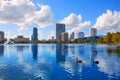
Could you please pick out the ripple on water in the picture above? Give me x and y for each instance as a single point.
(114, 77)
(1, 77)
(2, 66)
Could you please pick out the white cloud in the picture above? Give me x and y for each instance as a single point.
(24, 13)
(76, 29)
(109, 21)
(44, 16)
(75, 21)
(52, 33)
(40, 37)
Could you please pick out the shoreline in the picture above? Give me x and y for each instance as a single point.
(66, 43)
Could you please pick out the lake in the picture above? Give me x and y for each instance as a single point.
(59, 62)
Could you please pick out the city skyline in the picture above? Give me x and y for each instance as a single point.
(61, 34)
(79, 16)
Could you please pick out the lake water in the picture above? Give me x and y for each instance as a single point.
(59, 62)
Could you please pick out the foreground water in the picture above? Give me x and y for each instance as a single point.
(59, 62)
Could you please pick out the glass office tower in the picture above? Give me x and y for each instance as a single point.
(60, 28)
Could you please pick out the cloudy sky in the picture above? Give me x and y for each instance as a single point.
(18, 17)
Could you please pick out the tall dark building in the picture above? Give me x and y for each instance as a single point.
(60, 28)
(1, 35)
(35, 34)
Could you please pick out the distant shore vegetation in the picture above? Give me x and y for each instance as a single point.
(110, 38)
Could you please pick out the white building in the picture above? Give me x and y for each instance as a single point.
(64, 36)
(72, 36)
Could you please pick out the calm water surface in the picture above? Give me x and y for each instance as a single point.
(59, 62)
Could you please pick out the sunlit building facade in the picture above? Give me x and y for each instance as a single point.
(21, 39)
(72, 36)
(64, 36)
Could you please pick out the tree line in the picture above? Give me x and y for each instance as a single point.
(110, 38)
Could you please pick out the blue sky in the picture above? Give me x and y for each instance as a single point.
(89, 10)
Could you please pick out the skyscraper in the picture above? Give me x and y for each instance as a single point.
(1, 35)
(35, 34)
(93, 32)
(60, 28)
(52, 37)
(81, 35)
(64, 36)
(72, 36)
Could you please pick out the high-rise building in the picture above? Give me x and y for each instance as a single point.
(35, 34)
(64, 36)
(1, 35)
(72, 36)
(60, 28)
(81, 35)
(52, 37)
(93, 32)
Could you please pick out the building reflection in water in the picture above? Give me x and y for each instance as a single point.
(61, 52)
(93, 53)
(1, 50)
(34, 49)
(115, 50)
(81, 50)
(52, 48)
(20, 48)
(72, 49)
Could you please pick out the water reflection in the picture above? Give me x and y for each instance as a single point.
(20, 48)
(52, 48)
(61, 52)
(115, 50)
(1, 50)
(34, 48)
(72, 49)
(81, 50)
(93, 53)
(62, 62)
